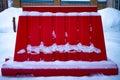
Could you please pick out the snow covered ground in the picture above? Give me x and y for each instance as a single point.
(111, 23)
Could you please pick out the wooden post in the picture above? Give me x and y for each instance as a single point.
(14, 25)
(17, 3)
(94, 2)
(57, 2)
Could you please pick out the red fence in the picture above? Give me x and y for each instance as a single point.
(84, 29)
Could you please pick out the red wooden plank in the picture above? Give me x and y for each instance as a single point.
(84, 30)
(71, 29)
(21, 40)
(59, 28)
(71, 34)
(61, 8)
(46, 30)
(34, 57)
(61, 56)
(84, 35)
(47, 57)
(98, 37)
(46, 35)
(33, 36)
(33, 30)
(58, 72)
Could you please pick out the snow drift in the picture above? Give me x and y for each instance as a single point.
(110, 18)
(6, 24)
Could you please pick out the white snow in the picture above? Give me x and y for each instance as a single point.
(47, 14)
(25, 13)
(53, 34)
(33, 13)
(94, 14)
(60, 48)
(10, 3)
(72, 14)
(60, 65)
(84, 14)
(21, 51)
(110, 18)
(59, 14)
(6, 24)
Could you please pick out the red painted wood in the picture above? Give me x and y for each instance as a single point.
(46, 30)
(21, 40)
(71, 25)
(84, 30)
(46, 35)
(33, 30)
(33, 36)
(98, 37)
(47, 57)
(61, 8)
(61, 56)
(84, 35)
(57, 72)
(34, 57)
(59, 28)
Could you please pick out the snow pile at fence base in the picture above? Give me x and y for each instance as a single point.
(59, 64)
(58, 68)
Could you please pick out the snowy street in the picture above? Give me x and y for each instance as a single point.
(111, 25)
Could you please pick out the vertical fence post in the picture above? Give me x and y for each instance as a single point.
(14, 25)
(17, 3)
(57, 2)
(94, 2)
